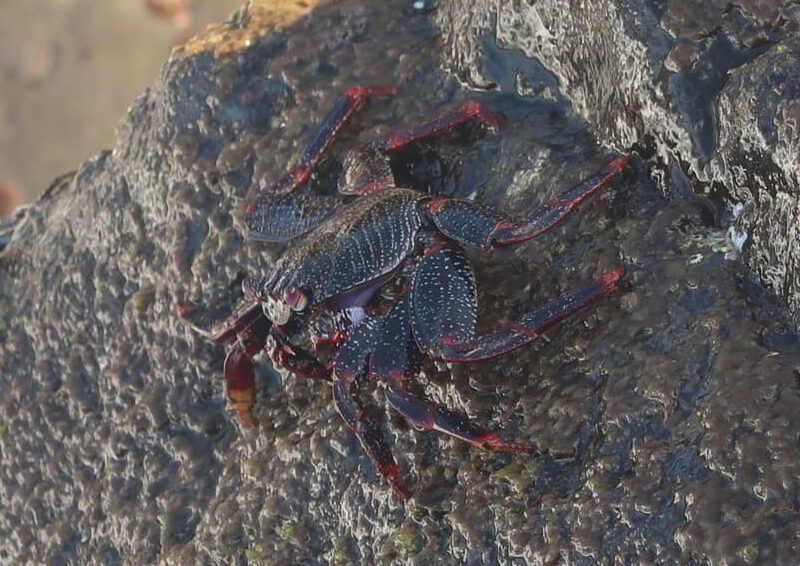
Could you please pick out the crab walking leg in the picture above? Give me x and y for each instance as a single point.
(289, 216)
(367, 168)
(297, 360)
(529, 327)
(427, 415)
(368, 430)
(445, 305)
(396, 359)
(351, 101)
(472, 110)
(477, 225)
(350, 367)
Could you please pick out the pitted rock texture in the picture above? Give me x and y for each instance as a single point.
(681, 81)
(679, 394)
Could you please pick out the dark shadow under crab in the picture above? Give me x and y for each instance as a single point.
(382, 282)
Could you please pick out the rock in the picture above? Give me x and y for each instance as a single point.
(677, 395)
(758, 163)
(682, 81)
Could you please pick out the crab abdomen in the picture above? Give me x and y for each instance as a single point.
(363, 243)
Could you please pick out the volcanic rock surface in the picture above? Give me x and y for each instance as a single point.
(678, 395)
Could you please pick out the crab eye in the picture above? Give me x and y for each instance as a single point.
(297, 299)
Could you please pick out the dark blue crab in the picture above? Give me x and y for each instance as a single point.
(388, 274)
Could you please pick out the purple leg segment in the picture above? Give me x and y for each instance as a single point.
(351, 101)
(477, 225)
(427, 415)
(472, 110)
(529, 327)
(368, 430)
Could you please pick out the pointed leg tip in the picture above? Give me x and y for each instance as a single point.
(610, 279)
(184, 309)
(496, 443)
(489, 119)
(246, 420)
(620, 164)
(377, 90)
(392, 474)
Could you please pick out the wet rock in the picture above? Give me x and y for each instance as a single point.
(759, 164)
(676, 399)
(709, 88)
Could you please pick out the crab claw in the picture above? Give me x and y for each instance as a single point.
(240, 378)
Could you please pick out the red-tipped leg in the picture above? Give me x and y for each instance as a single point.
(477, 225)
(530, 326)
(550, 214)
(427, 415)
(472, 110)
(351, 101)
(368, 430)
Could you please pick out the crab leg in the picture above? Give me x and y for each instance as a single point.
(427, 415)
(368, 430)
(367, 168)
(529, 327)
(472, 110)
(288, 216)
(477, 225)
(297, 360)
(350, 366)
(445, 306)
(396, 355)
(395, 360)
(351, 101)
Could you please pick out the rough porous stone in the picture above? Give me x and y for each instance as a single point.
(706, 88)
(678, 395)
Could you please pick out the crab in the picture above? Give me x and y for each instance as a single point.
(382, 281)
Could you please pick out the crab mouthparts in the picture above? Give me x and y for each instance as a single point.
(277, 311)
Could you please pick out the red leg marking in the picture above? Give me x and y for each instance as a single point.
(530, 326)
(358, 92)
(551, 214)
(427, 415)
(350, 102)
(469, 111)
